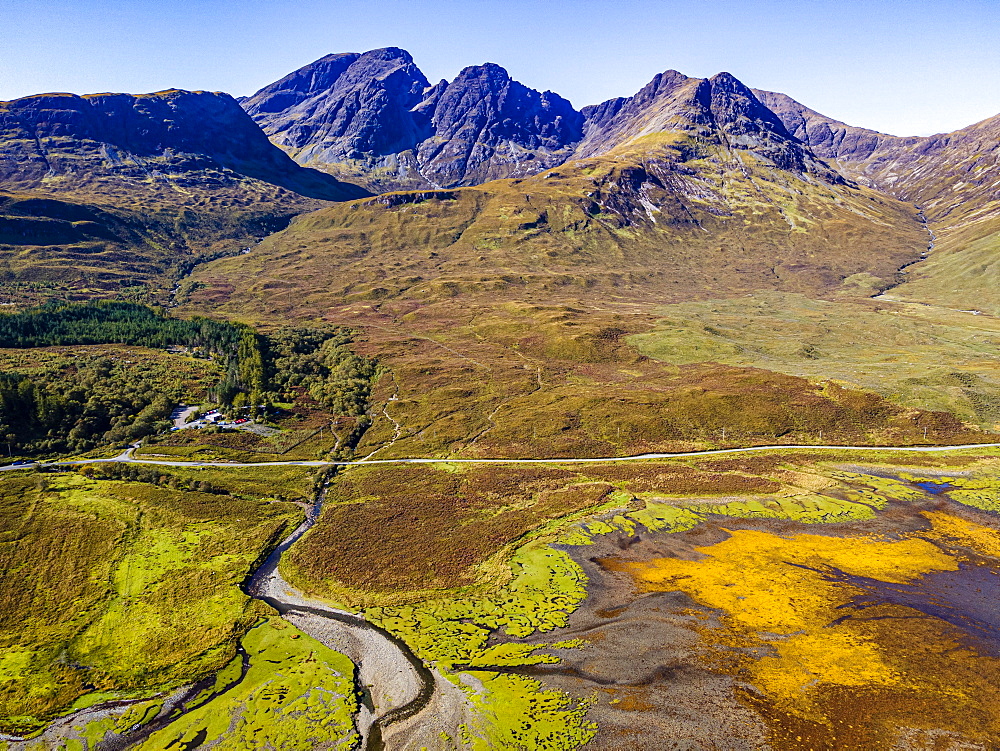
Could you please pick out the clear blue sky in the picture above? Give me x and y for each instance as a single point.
(902, 67)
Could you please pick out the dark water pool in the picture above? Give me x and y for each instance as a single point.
(934, 487)
(968, 599)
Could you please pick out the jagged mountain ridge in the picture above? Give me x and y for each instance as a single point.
(941, 173)
(690, 187)
(694, 189)
(483, 126)
(374, 118)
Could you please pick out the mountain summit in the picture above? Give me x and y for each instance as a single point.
(107, 190)
(374, 118)
(142, 144)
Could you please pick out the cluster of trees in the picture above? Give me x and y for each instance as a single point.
(319, 361)
(109, 322)
(236, 346)
(96, 400)
(151, 475)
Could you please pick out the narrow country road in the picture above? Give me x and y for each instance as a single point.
(127, 457)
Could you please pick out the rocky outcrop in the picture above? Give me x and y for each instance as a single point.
(485, 126)
(828, 138)
(345, 107)
(652, 109)
(698, 116)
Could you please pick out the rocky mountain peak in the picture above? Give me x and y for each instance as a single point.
(487, 125)
(485, 98)
(747, 124)
(319, 76)
(374, 116)
(344, 107)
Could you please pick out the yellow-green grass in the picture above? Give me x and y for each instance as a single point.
(544, 586)
(915, 355)
(120, 587)
(297, 694)
(571, 387)
(962, 272)
(512, 299)
(722, 221)
(242, 446)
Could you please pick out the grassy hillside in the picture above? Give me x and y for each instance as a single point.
(120, 588)
(962, 273)
(916, 355)
(90, 244)
(502, 310)
(665, 217)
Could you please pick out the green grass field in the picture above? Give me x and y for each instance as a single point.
(297, 694)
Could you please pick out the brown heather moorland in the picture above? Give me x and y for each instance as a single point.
(504, 318)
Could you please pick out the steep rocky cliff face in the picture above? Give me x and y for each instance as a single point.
(352, 110)
(719, 110)
(486, 126)
(690, 188)
(947, 174)
(954, 178)
(375, 119)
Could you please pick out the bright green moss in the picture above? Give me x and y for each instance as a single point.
(517, 713)
(297, 694)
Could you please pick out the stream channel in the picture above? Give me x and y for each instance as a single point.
(393, 683)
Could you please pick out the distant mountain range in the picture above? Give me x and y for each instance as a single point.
(683, 158)
(374, 116)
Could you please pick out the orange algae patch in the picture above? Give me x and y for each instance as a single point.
(766, 583)
(981, 539)
(775, 594)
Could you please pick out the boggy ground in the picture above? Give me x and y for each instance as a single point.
(748, 633)
(740, 601)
